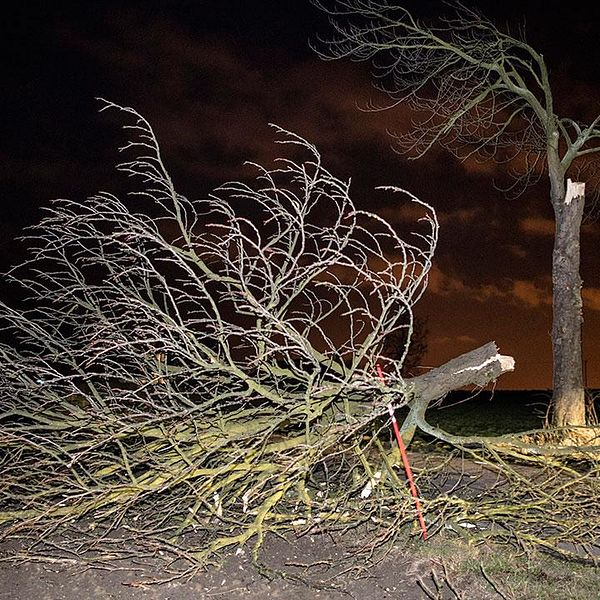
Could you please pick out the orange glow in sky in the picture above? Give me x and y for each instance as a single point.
(210, 76)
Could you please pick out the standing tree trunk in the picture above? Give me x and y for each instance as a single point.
(568, 402)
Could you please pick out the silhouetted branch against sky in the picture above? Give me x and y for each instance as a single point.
(209, 76)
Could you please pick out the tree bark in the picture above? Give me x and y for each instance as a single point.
(477, 367)
(568, 401)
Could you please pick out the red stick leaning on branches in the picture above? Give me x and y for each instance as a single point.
(409, 475)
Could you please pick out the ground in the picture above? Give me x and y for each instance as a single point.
(317, 567)
(321, 567)
(313, 566)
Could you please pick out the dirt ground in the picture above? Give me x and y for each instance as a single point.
(309, 567)
(316, 567)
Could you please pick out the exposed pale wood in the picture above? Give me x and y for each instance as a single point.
(575, 189)
(477, 367)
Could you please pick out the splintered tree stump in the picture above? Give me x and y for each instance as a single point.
(477, 367)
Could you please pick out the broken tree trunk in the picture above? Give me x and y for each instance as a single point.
(477, 367)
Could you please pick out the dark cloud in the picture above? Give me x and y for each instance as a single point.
(210, 76)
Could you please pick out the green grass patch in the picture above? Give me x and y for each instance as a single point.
(488, 413)
(490, 571)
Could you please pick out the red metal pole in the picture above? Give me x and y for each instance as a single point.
(407, 469)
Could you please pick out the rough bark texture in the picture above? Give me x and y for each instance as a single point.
(477, 367)
(569, 396)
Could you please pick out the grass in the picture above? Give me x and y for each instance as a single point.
(484, 414)
(488, 571)
(490, 414)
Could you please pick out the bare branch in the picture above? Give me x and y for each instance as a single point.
(480, 91)
(211, 353)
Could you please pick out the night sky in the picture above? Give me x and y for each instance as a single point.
(210, 75)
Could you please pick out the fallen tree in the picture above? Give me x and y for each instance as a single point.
(207, 368)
